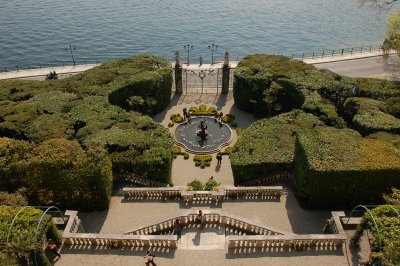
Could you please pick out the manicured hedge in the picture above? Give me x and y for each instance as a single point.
(24, 229)
(268, 85)
(57, 172)
(267, 146)
(84, 113)
(368, 116)
(132, 149)
(253, 80)
(145, 85)
(339, 168)
(326, 111)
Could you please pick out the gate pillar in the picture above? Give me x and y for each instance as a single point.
(178, 74)
(225, 79)
(178, 80)
(225, 74)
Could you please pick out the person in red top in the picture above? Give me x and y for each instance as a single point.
(53, 247)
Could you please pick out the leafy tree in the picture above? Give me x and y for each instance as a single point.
(21, 246)
(392, 39)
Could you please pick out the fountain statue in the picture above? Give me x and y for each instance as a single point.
(202, 133)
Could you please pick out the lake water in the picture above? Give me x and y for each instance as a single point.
(35, 32)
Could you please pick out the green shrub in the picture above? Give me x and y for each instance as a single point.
(368, 116)
(228, 118)
(57, 172)
(267, 146)
(202, 110)
(212, 185)
(202, 160)
(195, 185)
(384, 225)
(176, 118)
(239, 132)
(176, 150)
(339, 168)
(227, 151)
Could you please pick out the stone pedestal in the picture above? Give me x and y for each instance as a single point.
(178, 80)
(225, 78)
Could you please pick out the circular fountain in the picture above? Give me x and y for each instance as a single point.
(203, 135)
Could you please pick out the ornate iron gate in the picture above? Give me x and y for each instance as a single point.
(203, 80)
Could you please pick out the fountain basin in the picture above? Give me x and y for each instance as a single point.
(217, 137)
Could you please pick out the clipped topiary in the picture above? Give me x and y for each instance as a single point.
(202, 110)
(202, 160)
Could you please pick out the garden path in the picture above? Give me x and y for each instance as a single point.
(184, 171)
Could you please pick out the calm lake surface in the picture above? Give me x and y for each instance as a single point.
(35, 32)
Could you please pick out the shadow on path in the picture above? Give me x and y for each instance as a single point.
(304, 221)
(128, 251)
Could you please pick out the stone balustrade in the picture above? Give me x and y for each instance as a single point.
(251, 235)
(224, 193)
(288, 242)
(210, 217)
(71, 237)
(292, 242)
(121, 240)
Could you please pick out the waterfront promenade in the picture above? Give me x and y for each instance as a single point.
(366, 64)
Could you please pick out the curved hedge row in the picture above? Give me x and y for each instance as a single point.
(145, 86)
(268, 85)
(368, 116)
(76, 113)
(267, 146)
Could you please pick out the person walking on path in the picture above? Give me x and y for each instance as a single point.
(178, 227)
(219, 158)
(199, 219)
(149, 258)
(53, 248)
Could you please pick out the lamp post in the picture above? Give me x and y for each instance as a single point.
(212, 48)
(187, 48)
(70, 48)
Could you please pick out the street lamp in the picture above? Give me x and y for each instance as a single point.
(212, 48)
(70, 48)
(187, 48)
